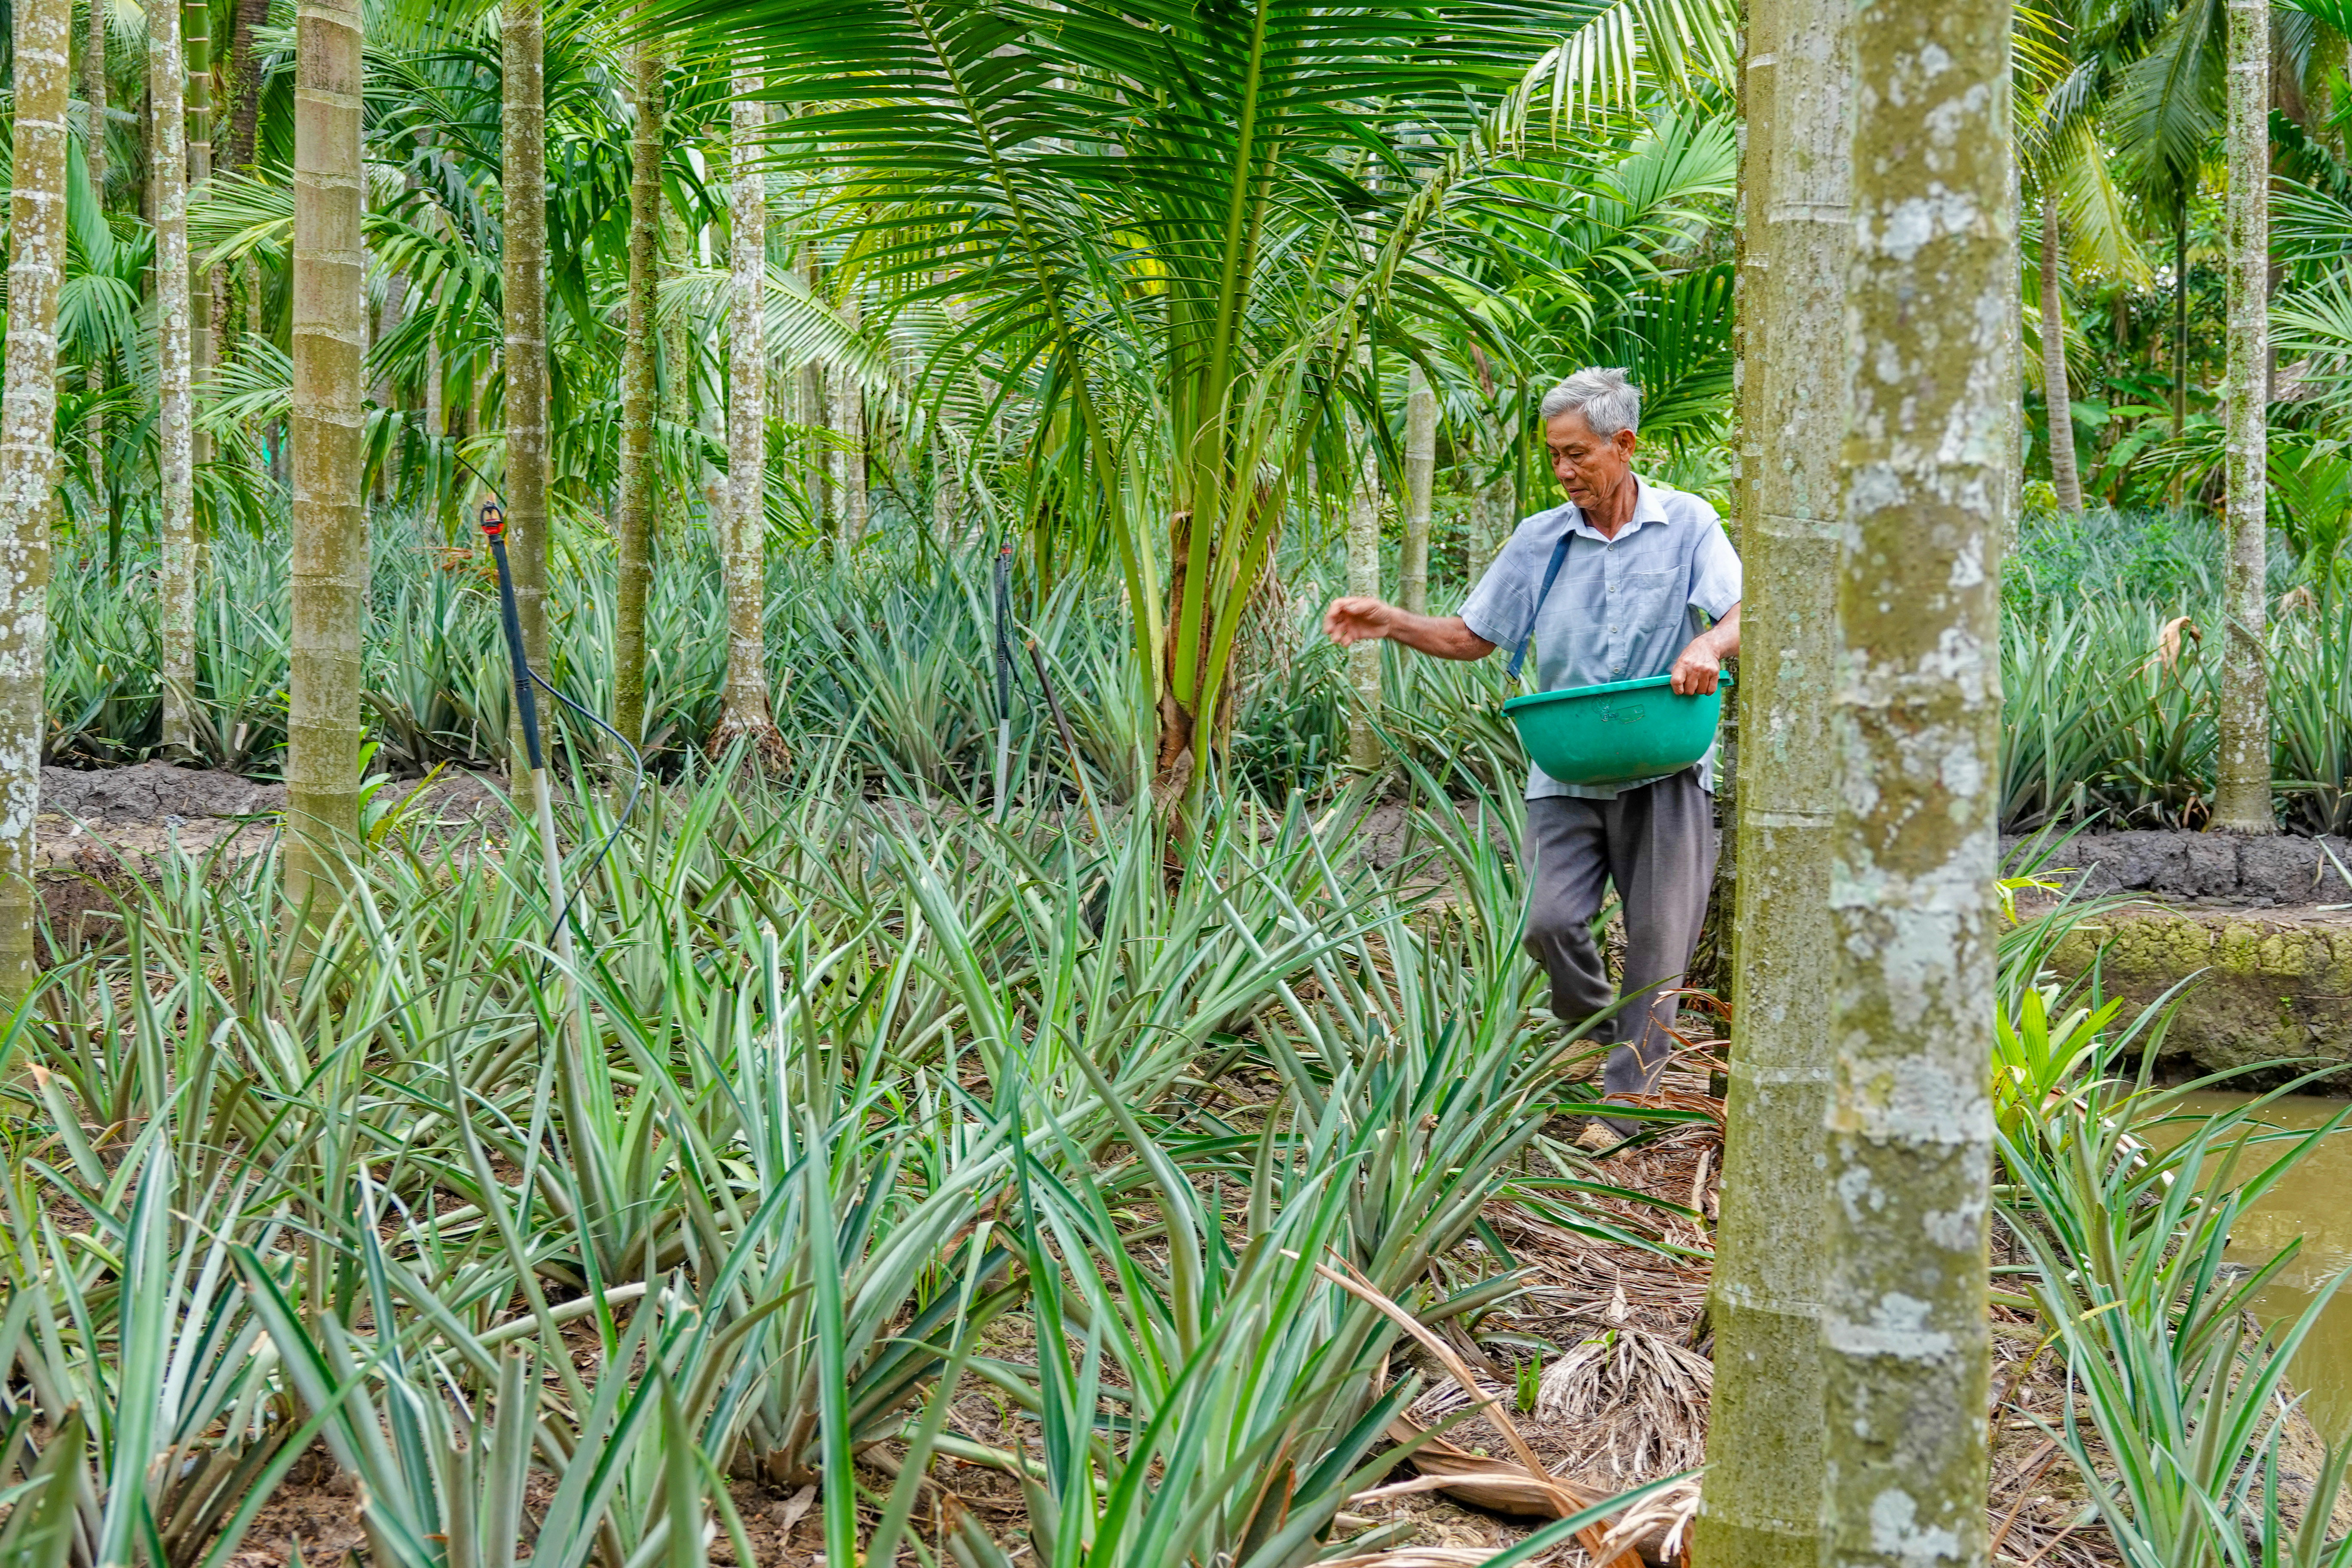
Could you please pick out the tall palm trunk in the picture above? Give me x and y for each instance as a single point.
(196, 17)
(1928, 487)
(2057, 398)
(242, 81)
(1765, 1436)
(2181, 316)
(523, 276)
(847, 460)
(1364, 581)
(1420, 481)
(168, 178)
(633, 513)
(1490, 524)
(745, 712)
(680, 369)
(93, 94)
(2241, 800)
(814, 412)
(330, 528)
(28, 457)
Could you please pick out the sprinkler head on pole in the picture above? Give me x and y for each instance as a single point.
(494, 520)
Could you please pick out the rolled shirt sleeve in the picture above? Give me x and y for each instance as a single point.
(1715, 580)
(1501, 605)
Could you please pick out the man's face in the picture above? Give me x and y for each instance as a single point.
(1588, 467)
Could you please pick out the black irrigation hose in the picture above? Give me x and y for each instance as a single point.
(493, 524)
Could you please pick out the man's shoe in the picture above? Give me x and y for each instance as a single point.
(1607, 1132)
(1597, 1137)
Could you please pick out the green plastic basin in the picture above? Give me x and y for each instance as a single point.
(1613, 734)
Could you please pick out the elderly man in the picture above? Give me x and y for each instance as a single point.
(1649, 586)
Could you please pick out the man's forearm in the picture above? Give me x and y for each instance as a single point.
(1442, 637)
(1723, 638)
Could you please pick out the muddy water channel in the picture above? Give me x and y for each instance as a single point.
(2313, 1201)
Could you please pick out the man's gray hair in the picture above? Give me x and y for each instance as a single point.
(1608, 401)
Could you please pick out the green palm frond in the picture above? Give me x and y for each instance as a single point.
(242, 217)
(2167, 112)
(2100, 226)
(2314, 327)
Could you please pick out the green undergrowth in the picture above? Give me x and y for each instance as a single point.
(834, 1105)
(2118, 1200)
(2110, 654)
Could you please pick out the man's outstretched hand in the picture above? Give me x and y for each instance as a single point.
(1353, 620)
(1356, 620)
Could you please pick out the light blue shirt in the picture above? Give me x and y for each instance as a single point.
(1622, 609)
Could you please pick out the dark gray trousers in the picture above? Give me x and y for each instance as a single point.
(1657, 845)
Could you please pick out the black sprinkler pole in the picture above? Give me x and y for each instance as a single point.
(494, 529)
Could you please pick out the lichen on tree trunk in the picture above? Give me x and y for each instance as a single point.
(174, 425)
(523, 277)
(2241, 795)
(2057, 398)
(745, 713)
(330, 532)
(1929, 443)
(29, 458)
(1764, 1492)
(633, 509)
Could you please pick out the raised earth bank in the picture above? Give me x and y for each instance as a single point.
(2258, 922)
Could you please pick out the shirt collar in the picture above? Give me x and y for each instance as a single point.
(1647, 508)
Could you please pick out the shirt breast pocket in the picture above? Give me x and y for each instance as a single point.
(1650, 604)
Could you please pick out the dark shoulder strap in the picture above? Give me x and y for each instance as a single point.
(1551, 573)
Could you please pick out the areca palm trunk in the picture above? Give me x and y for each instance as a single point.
(242, 115)
(1364, 581)
(848, 451)
(1490, 524)
(2058, 398)
(680, 366)
(1763, 1497)
(330, 531)
(745, 712)
(175, 451)
(29, 458)
(2241, 797)
(197, 29)
(1928, 487)
(523, 276)
(632, 512)
(93, 94)
(1420, 481)
(815, 411)
(2180, 314)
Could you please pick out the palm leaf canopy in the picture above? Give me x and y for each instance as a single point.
(1178, 222)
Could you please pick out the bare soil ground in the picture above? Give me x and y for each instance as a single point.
(98, 827)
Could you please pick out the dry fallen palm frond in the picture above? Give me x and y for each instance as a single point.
(1658, 1527)
(1415, 1557)
(2167, 640)
(1633, 1402)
